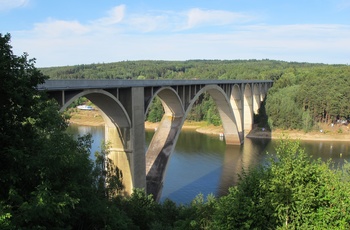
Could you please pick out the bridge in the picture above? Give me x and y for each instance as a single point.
(124, 105)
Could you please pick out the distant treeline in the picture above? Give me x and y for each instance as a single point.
(303, 94)
(192, 69)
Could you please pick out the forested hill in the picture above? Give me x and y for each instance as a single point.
(303, 95)
(192, 69)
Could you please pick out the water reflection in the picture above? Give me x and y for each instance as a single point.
(204, 164)
(194, 167)
(237, 158)
(97, 132)
(339, 152)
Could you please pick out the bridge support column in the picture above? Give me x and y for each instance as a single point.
(158, 153)
(126, 142)
(247, 109)
(137, 165)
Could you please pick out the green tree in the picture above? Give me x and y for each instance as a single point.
(198, 214)
(39, 188)
(156, 111)
(141, 208)
(47, 180)
(292, 192)
(282, 109)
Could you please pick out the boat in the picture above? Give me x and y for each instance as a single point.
(85, 107)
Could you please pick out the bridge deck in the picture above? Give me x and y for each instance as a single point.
(117, 83)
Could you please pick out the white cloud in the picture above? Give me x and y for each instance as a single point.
(148, 23)
(11, 4)
(59, 28)
(198, 17)
(115, 15)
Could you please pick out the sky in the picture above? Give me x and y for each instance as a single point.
(72, 32)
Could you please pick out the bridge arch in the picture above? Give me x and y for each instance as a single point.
(164, 139)
(227, 116)
(111, 109)
(166, 135)
(117, 131)
(170, 100)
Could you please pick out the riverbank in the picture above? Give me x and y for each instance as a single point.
(321, 135)
(326, 133)
(86, 117)
(94, 118)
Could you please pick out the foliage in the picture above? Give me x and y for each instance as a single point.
(191, 69)
(198, 214)
(292, 192)
(282, 110)
(47, 179)
(326, 98)
(205, 109)
(108, 177)
(80, 101)
(156, 111)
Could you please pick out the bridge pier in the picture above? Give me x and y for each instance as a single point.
(158, 153)
(133, 103)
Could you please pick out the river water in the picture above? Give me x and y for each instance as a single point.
(203, 163)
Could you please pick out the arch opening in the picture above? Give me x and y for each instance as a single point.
(164, 140)
(117, 132)
(229, 124)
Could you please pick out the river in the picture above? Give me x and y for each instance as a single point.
(203, 163)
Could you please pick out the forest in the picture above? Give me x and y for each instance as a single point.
(303, 95)
(48, 181)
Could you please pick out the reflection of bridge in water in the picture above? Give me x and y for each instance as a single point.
(125, 103)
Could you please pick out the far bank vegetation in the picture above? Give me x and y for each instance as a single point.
(304, 96)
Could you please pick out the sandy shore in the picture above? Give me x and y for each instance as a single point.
(336, 133)
(325, 135)
(86, 117)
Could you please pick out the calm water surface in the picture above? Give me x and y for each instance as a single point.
(204, 164)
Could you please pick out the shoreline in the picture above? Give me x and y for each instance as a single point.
(299, 135)
(93, 118)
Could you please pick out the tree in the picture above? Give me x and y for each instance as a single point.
(292, 192)
(37, 179)
(46, 178)
(156, 111)
(282, 109)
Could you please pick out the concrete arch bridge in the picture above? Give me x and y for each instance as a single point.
(124, 105)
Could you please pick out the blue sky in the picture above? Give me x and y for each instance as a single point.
(70, 32)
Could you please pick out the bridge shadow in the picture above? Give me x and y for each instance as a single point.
(205, 185)
(236, 159)
(261, 128)
(219, 178)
